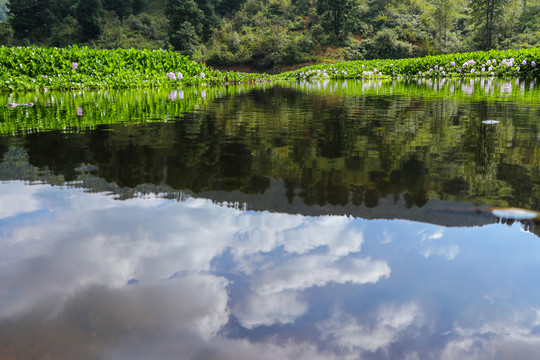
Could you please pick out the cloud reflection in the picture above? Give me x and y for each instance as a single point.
(68, 257)
(215, 282)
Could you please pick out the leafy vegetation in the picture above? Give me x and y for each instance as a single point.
(34, 68)
(518, 63)
(270, 35)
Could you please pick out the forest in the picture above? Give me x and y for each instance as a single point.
(275, 35)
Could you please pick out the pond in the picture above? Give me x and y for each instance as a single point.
(315, 220)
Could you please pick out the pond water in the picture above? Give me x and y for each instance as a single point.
(319, 220)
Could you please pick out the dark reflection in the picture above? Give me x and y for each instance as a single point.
(332, 145)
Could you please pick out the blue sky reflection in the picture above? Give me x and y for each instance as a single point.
(217, 283)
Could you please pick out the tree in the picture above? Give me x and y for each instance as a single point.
(487, 15)
(87, 13)
(185, 38)
(227, 7)
(444, 14)
(122, 8)
(32, 19)
(188, 17)
(337, 17)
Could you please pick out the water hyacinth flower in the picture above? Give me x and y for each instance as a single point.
(472, 70)
(524, 62)
(490, 68)
(180, 76)
(518, 68)
(79, 111)
(452, 63)
(203, 75)
(44, 76)
(533, 63)
(488, 62)
(171, 76)
(74, 65)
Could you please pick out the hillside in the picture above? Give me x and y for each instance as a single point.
(274, 35)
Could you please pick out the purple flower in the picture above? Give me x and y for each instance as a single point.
(533, 63)
(524, 62)
(180, 76)
(472, 70)
(202, 75)
(74, 65)
(518, 68)
(171, 76)
(488, 62)
(44, 76)
(79, 111)
(452, 64)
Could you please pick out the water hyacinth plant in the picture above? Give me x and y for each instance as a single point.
(519, 63)
(35, 68)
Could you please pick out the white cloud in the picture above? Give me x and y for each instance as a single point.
(14, 202)
(281, 308)
(318, 270)
(449, 252)
(345, 332)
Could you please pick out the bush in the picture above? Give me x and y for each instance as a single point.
(6, 33)
(387, 46)
(296, 51)
(354, 51)
(185, 39)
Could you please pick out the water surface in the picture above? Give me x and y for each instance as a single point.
(296, 220)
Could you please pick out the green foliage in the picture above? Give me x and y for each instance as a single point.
(487, 16)
(33, 68)
(337, 17)
(385, 45)
(87, 13)
(516, 63)
(271, 34)
(184, 38)
(444, 14)
(6, 33)
(31, 19)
